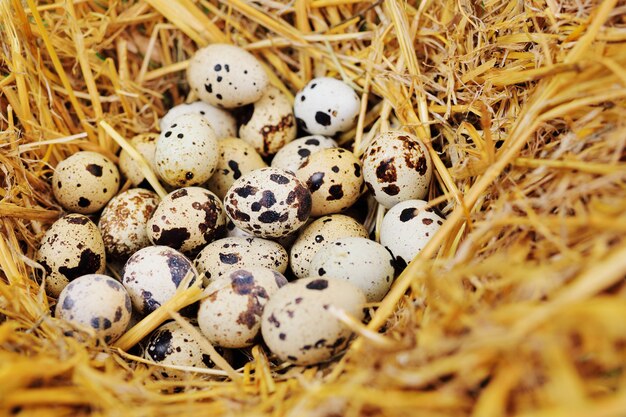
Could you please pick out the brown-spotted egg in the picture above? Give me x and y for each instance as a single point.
(145, 144)
(293, 154)
(222, 122)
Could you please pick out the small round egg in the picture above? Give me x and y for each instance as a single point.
(237, 158)
(222, 122)
(326, 106)
(297, 325)
(187, 220)
(226, 76)
(318, 234)
(230, 316)
(186, 152)
(397, 167)
(145, 144)
(406, 229)
(72, 247)
(271, 124)
(333, 176)
(363, 262)
(96, 301)
(85, 182)
(225, 254)
(123, 222)
(293, 154)
(268, 202)
(152, 275)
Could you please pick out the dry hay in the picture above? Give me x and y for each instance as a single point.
(515, 308)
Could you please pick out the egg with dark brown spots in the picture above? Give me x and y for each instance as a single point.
(145, 144)
(186, 152)
(240, 252)
(318, 234)
(271, 124)
(407, 228)
(123, 222)
(237, 158)
(221, 121)
(187, 220)
(293, 154)
(230, 315)
(298, 324)
(72, 247)
(326, 106)
(85, 182)
(268, 202)
(226, 76)
(97, 302)
(152, 275)
(334, 178)
(397, 167)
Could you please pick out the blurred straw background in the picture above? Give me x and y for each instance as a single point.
(516, 308)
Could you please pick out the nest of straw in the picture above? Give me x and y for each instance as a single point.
(517, 305)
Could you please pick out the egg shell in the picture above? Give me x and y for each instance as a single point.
(297, 325)
(397, 167)
(326, 106)
(96, 301)
(219, 257)
(145, 144)
(85, 181)
(318, 234)
(170, 344)
(362, 262)
(152, 275)
(186, 152)
(293, 154)
(237, 158)
(187, 220)
(226, 76)
(70, 248)
(230, 315)
(271, 124)
(222, 122)
(334, 178)
(234, 231)
(123, 222)
(268, 202)
(406, 229)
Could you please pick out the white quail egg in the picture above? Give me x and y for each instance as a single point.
(145, 144)
(293, 154)
(298, 326)
(222, 122)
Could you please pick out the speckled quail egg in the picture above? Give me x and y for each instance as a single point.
(96, 301)
(170, 344)
(186, 151)
(152, 275)
(145, 144)
(85, 182)
(240, 252)
(268, 202)
(297, 323)
(237, 158)
(71, 247)
(223, 123)
(123, 222)
(270, 124)
(230, 316)
(397, 167)
(326, 106)
(406, 229)
(187, 219)
(293, 154)
(318, 234)
(363, 262)
(333, 176)
(226, 76)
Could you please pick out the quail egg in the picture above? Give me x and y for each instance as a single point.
(145, 144)
(293, 154)
(222, 122)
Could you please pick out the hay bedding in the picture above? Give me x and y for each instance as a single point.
(515, 308)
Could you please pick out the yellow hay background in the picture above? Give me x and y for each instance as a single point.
(517, 307)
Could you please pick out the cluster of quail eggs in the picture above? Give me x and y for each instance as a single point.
(261, 219)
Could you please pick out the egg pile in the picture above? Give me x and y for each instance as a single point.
(260, 214)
